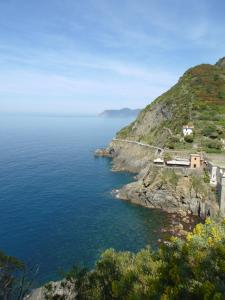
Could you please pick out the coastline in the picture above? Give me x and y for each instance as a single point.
(169, 189)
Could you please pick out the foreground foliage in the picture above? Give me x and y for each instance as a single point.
(15, 278)
(193, 268)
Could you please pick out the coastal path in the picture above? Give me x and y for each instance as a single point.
(160, 150)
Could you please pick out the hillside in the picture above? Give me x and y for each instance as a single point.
(198, 100)
(120, 113)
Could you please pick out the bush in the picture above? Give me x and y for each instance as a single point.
(193, 268)
(189, 138)
(167, 156)
(171, 142)
(213, 144)
(209, 130)
(214, 135)
(221, 95)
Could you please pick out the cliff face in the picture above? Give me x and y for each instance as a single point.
(198, 98)
(130, 157)
(171, 190)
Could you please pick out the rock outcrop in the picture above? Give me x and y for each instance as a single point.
(171, 190)
(221, 62)
(64, 289)
(128, 156)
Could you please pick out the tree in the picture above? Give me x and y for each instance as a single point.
(15, 278)
(189, 138)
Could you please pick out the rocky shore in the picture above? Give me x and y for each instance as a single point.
(170, 189)
(63, 289)
(179, 224)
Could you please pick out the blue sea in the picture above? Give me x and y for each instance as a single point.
(56, 206)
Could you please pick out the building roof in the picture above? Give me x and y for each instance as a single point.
(183, 162)
(158, 160)
(198, 155)
(188, 126)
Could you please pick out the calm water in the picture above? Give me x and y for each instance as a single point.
(56, 208)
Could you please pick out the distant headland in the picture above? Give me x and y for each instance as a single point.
(120, 113)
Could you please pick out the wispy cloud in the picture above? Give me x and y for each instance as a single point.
(111, 53)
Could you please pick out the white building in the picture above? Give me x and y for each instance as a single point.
(159, 161)
(187, 130)
(215, 172)
(213, 177)
(178, 162)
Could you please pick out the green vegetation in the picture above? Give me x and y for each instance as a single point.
(197, 99)
(193, 268)
(167, 156)
(189, 138)
(189, 268)
(212, 146)
(206, 177)
(198, 184)
(15, 279)
(169, 176)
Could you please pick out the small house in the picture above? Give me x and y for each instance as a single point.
(188, 130)
(159, 161)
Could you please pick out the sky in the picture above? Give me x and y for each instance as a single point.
(84, 56)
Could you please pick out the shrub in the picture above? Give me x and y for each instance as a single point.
(169, 175)
(167, 156)
(189, 138)
(192, 268)
(221, 95)
(171, 142)
(15, 282)
(216, 77)
(214, 135)
(207, 131)
(213, 144)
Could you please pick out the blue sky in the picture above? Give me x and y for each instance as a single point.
(78, 57)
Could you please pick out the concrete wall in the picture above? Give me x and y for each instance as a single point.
(213, 173)
(221, 192)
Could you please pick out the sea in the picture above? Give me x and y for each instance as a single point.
(56, 203)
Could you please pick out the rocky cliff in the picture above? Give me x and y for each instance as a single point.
(171, 190)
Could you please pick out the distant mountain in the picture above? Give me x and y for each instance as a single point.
(120, 113)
